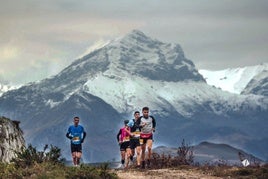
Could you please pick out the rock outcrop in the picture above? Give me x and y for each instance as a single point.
(11, 139)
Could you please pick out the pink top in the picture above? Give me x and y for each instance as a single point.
(124, 136)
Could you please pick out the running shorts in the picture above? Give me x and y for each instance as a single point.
(76, 148)
(124, 146)
(134, 143)
(144, 138)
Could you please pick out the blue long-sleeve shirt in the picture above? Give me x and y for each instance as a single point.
(76, 134)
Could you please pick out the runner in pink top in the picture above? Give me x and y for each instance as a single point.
(123, 138)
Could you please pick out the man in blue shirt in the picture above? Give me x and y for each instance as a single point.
(77, 135)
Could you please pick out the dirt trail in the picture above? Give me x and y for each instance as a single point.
(163, 173)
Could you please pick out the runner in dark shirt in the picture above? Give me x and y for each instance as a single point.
(135, 138)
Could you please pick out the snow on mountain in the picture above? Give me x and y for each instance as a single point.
(116, 63)
(6, 87)
(107, 85)
(130, 92)
(258, 85)
(233, 80)
(140, 55)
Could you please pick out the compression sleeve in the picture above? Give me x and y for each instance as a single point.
(117, 137)
(68, 134)
(154, 123)
(139, 123)
(84, 135)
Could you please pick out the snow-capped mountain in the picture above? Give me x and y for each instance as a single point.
(104, 87)
(234, 80)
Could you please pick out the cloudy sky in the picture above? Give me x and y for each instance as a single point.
(40, 38)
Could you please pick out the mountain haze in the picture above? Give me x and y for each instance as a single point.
(106, 86)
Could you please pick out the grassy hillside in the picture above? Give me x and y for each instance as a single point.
(50, 170)
(31, 163)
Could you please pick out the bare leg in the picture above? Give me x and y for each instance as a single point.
(74, 158)
(127, 156)
(132, 154)
(138, 151)
(78, 157)
(149, 148)
(143, 150)
(123, 157)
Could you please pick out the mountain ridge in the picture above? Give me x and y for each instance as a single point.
(212, 153)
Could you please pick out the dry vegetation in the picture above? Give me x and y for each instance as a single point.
(182, 166)
(31, 163)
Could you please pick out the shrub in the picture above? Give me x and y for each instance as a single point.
(185, 157)
(185, 154)
(28, 156)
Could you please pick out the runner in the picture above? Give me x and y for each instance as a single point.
(147, 124)
(123, 138)
(77, 135)
(135, 138)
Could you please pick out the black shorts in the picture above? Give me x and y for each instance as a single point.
(124, 146)
(134, 143)
(144, 140)
(76, 148)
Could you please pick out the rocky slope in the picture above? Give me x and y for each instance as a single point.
(11, 138)
(258, 85)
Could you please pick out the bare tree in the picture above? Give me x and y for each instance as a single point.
(185, 154)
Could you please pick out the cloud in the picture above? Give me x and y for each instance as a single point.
(39, 35)
(97, 45)
(8, 52)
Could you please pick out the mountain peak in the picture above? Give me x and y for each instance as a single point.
(153, 59)
(137, 37)
(137, 55)
(137, 32)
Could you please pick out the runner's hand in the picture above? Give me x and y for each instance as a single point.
(143, 124)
